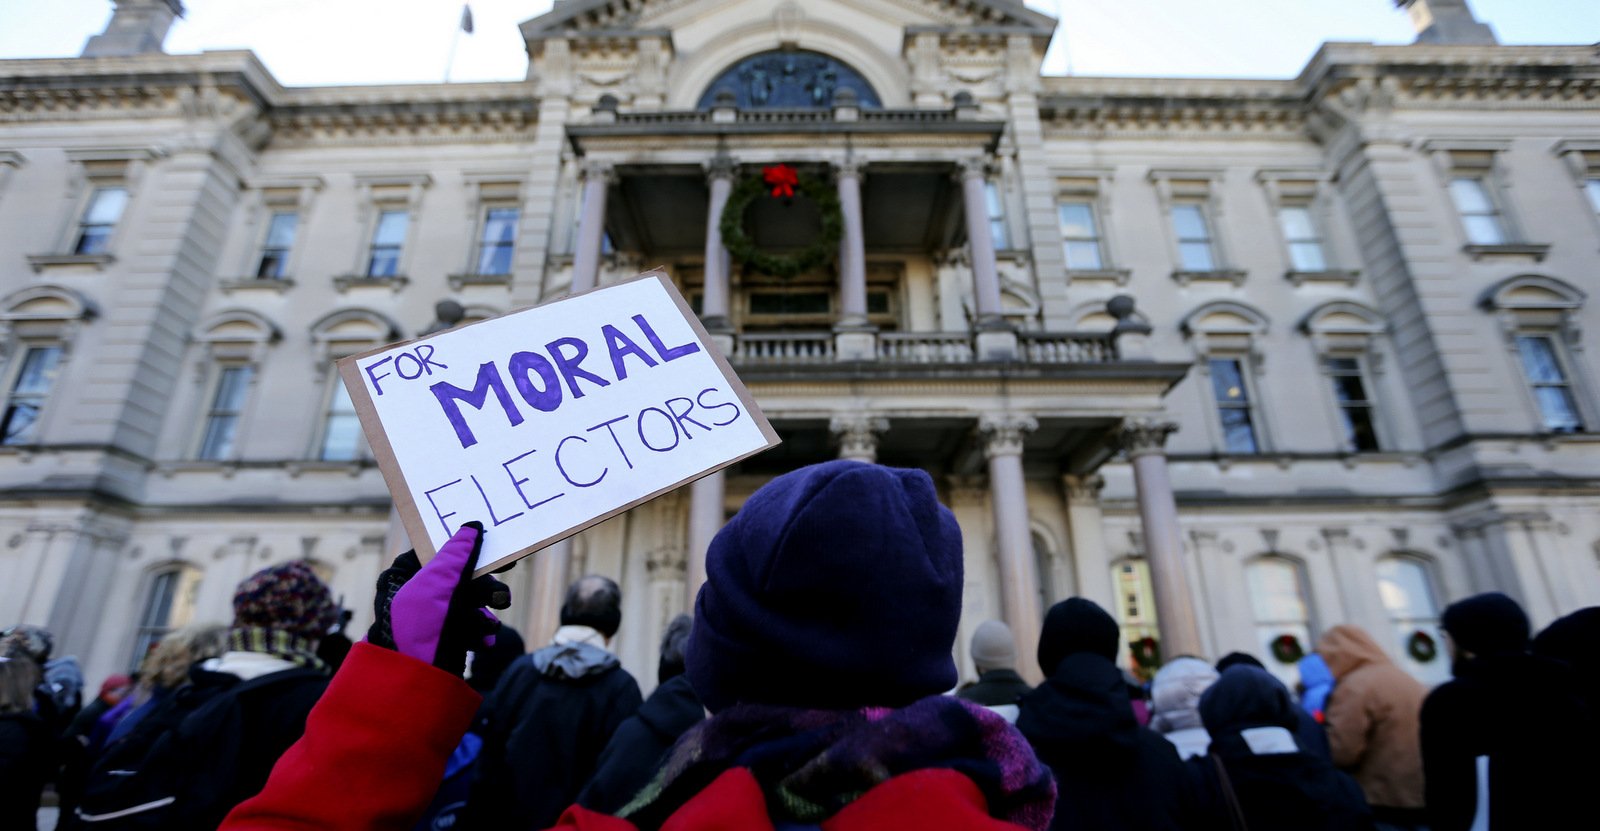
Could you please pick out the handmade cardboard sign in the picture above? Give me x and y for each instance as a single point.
(543, 422)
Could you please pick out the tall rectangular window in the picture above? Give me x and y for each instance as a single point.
(997, 216)
(387, 239)
(1305, 243)
(1479, 215)
(28, 393)
(1195, 249)
(1592, 187)
(1557, 408)
(275, 249)
(1233, 405)
(498, 242)
(168, 605)
(341, 435)
(227, 404)
(100, 220)
(1080, 236)
(1355, 407)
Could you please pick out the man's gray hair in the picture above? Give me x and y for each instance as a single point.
(676, 639)
(593, 601)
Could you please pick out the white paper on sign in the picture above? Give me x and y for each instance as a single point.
(540, 422)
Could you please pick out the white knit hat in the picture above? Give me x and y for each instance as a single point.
(993, 647)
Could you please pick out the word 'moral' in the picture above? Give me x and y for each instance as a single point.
(537, 378)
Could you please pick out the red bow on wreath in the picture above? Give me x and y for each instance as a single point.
(782, 178)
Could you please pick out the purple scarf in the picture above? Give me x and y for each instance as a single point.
(812, 763)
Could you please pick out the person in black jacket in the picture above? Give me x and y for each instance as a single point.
(999, 687)
(1309, 732)
(634, 752)
(26, 756)
(1256, 762)
(1110, 772)
(1508, 739)
(1575, 640)
(552, 714)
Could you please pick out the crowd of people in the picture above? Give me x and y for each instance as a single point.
(811, 689)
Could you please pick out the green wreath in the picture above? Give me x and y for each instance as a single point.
(1421, 647)
(1286, 649)
(1146, 652)
(807, 259)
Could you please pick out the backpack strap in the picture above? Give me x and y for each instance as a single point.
(1235, 810)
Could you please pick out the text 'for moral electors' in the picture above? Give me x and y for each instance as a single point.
(538, 381)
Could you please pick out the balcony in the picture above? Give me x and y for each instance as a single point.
(944, 348)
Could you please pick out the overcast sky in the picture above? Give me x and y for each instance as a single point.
(392, 41)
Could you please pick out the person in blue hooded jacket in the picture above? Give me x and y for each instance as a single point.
(1256, 764)
(1317, 681)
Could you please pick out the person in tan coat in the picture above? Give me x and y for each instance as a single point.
(1372, 718)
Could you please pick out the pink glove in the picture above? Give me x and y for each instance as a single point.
(435, 613)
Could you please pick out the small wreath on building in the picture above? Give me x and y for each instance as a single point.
(1422, 647)
(1286, 649)
(1146, 652)
(782, 182)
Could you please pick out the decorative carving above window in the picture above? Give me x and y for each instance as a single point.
(789, 80)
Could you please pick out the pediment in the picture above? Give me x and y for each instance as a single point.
(617, 16)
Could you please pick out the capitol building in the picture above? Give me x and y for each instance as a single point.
(1237, 359)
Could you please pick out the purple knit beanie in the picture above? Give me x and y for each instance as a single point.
(837, 586)
(288, 597)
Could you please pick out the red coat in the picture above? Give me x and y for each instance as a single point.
(375, 748)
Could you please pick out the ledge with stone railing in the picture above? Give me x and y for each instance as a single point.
(784, 348)
(789, 348)
(925, 348)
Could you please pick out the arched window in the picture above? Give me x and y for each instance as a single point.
(1278, 601)
(168, 604)
(788, 79)
(1407, 592)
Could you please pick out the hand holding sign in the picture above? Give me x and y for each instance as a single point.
(546, 421)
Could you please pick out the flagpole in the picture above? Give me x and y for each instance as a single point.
(451, 61)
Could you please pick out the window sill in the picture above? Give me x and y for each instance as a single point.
(1233, 275)
(351, 468)
(1519, 250)
(277, 284)
(1300, 278)
(1119, 275)
(40, 262)
(345, 282)
(457, 281)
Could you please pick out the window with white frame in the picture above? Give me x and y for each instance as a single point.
(1548, 378)
(1480, 216)
(341, 428)
(498, 240)
(29, 389)
(1406, 590)
(1232, 392)
(1591, 186)
(1196, 250)
(99, 220)
(995, 205)
(1282, 615)
(1350, 392)
(1080, 235)
(1135, 606)
(222, 417)
(275, 247)
(169, 602)
(1304, 239)
(388, 239)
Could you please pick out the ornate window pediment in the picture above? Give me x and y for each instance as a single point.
(789, 79)
(236, 335)
(350, 331)
(44, 312)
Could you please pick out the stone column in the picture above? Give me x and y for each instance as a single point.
(1091, 568)
(1145, 442)
(996, 340)
(854, 338)
(858, 436)
(597, 178)
(714, 302)
(705, 520)
(1019, 578)
(547, 588)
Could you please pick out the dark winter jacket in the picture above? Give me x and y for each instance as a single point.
(1110, 772)
(548, 720)
(25, 765)
(635, 751)
(217, 756)
(1518, 712)
(996, 688)
(1251, 718)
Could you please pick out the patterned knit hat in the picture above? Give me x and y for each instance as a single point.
(27, 641)
(288, 598)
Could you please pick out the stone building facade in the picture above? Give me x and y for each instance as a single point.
(1238, 359)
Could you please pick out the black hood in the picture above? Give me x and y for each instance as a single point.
(1246, 697)
(672, 709)
(1081, 713)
